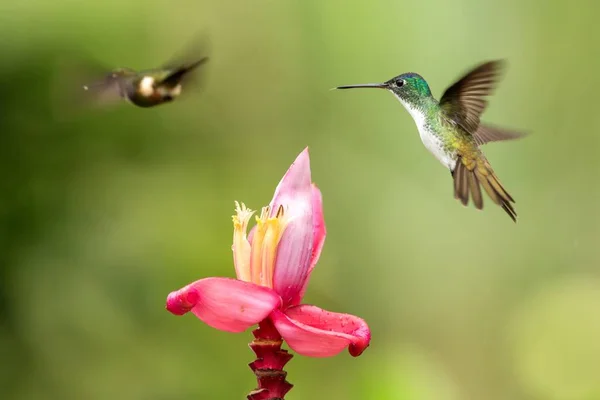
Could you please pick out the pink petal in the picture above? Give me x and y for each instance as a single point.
(293, 259)
(294, 251)
(295, 183)
(319, 238)
(251, 234)
(314, 332)
(318, 226)
(223, 303)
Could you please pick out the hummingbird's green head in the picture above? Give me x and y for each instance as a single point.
(410, 87)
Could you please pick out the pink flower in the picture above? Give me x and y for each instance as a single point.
(273, 264)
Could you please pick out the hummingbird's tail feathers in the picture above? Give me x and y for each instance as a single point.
(486, 133)
(468, 183)
(475, 189)
(461, 183)
(196, 64)
(177, 75)
(491, 184)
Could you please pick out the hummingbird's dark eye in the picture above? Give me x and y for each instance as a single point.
(400, 82)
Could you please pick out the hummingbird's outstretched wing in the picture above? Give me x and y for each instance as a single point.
(105, 91)
(188, 59)
(196, 48)
(83, 83)
(464, 102)
(486, 133)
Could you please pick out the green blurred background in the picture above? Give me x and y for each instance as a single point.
(103, 213)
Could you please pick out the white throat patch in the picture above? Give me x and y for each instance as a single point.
(431, 142)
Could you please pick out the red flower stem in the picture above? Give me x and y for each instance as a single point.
(269, 363)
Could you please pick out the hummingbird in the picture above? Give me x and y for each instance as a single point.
(146, 88)
(451, 129)
(151, 87)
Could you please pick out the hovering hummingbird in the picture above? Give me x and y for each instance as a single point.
(451, 131)
(147, 88)
(152, 87)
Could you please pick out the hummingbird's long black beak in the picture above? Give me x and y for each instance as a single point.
(365, 85)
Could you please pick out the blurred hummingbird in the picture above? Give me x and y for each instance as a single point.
(147, 88)
(450, 129)
(152, 87)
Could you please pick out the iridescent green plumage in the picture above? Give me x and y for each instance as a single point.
(451, 130)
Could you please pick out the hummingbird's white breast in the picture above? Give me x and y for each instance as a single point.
(431, 140)
(146, 86)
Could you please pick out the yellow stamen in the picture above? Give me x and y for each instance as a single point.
(269, 231)
(257, 241)
(241, 246)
